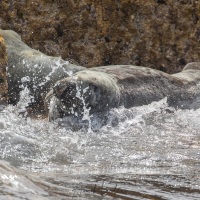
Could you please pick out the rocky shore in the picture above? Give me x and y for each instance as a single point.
(161, 34)
(3, 75)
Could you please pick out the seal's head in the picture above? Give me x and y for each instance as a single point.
(86, 93)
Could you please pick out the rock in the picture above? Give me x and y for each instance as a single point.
(3, 74)
(18, 184)
(155, 33)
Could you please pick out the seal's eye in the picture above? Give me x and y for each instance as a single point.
(69, 90)
(93, 87)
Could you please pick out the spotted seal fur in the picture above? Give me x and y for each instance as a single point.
(31, 69)
(102, 88)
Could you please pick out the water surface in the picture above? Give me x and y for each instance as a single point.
(147, 152)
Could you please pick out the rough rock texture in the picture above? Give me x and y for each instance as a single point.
(3, 77)
(162, 34)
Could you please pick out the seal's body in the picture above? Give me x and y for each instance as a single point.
(102, 88)
(31, 69)
(92, 92)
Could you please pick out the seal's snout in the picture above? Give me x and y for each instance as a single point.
(64, 86)
(75, 96)
(85, 92)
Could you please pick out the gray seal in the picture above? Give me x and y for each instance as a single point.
(32, 70)
(99, 89)
(80, 94)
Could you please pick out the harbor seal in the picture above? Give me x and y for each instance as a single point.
(99, 89)
(32, 71)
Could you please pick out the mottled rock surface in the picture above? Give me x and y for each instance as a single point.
(162, 34)
(3, 77)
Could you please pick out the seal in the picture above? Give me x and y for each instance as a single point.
(99, 89)
(32, 70)
(79, 94)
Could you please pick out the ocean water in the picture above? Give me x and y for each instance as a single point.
(147, 152)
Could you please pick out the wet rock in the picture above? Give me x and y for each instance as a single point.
(3, 75)
(161, 34)
(18, 185)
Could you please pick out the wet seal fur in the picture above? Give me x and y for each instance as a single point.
(31, 69)
(99, 89)
(92, 92)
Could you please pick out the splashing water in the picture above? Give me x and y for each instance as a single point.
(86, 111)
(54, 69)
(25, 97)
(152, 152)
(147, 152)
